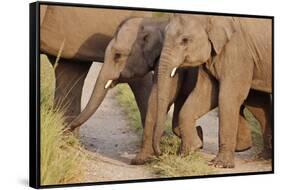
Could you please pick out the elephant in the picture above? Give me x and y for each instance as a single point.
(131, 55)
(74, 37)
(237, 52)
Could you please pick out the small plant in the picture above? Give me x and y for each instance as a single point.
(60, 152)
(256, 130)
(126, 99)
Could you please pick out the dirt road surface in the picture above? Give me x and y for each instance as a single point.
(109, 139)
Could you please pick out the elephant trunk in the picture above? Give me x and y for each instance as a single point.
(164, 85)
(100, 90)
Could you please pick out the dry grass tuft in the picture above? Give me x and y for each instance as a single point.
(61, 153)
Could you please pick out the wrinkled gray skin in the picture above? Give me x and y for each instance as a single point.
(133, 54)
(235, 51)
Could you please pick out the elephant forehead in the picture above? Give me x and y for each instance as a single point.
(187, 25)
(127, 34)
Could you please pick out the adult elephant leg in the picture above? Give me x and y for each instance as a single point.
(70, 76)
(175, 120)
(141, 89)
(230, 102)
(146, 150)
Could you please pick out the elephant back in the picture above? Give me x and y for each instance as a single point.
(79, 32)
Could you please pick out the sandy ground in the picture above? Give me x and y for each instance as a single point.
(112, 143)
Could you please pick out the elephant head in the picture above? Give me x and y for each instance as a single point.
(190, 40)
(131, 54)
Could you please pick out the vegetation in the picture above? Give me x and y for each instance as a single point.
(127, 100)
(256, 130)
(161, 14)
(169, 164)
(61, 153)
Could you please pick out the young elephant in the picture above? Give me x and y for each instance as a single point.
(131, 55)
(235, 51)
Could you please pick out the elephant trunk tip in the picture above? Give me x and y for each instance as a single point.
(74, 124)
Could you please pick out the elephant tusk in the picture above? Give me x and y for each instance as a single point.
(173, 72)
(108, 83)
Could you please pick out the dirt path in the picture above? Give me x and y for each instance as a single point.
(112, 143)
(109, 140)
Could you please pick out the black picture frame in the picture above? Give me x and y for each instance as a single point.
(34, 98)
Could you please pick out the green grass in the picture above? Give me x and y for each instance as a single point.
(61, 153)
(256, 130)
(169, 164)
(126, 99)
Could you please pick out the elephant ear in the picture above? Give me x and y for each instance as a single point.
(152, 43)
(220, 31)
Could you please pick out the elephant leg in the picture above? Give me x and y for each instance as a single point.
(175, 120)
(202, 99)
(259, 105)
(230, 102)
(146, 150)
(141, 89)
(70, 78)
(267, 136)
(244, 137)
(186, 86)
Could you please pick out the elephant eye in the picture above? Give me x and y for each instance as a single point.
(145, 38)
(184, 41)
(117, 56)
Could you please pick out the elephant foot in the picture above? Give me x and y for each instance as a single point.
(242, 147)
(223, 160)
(188, 148)
(265, 154)
(199, 130)
(142, 158)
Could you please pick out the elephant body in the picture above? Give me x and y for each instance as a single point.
(83, 32)
(75, 37)
(255, 37)
(132, 55)
(237, 53)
